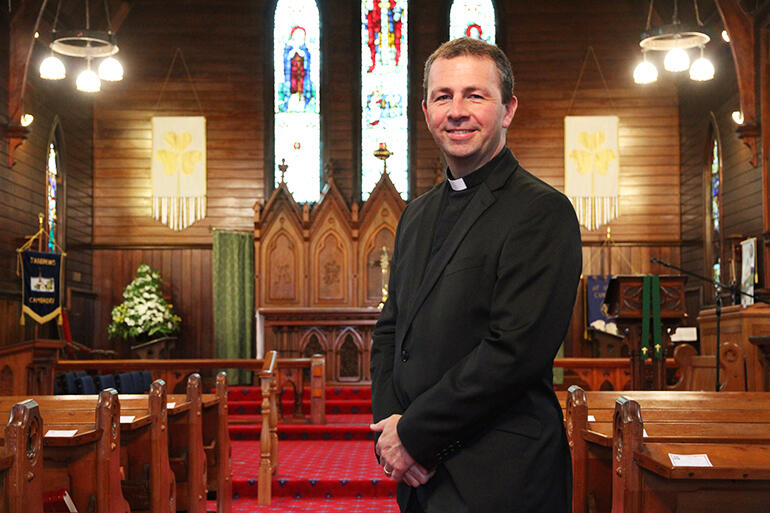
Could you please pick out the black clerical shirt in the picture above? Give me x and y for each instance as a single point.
(457, 195)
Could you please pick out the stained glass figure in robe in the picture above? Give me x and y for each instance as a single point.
(384, 92)
(472, 18)
(297, 113)
(52, 173)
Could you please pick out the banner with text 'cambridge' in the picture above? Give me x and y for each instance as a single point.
(41, 278)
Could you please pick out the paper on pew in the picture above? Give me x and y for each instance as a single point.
(61, 433)
(690, 460)
(127, 419)
(170, 405)
(591, 418)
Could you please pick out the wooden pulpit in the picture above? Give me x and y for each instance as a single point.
(737, 324)
(624, 305)
(26, 368)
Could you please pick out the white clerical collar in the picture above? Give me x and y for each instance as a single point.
(458, 184)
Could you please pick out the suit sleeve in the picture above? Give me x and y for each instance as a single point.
(384, 400)
(537, 274)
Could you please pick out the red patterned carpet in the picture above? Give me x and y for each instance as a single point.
(329, 468)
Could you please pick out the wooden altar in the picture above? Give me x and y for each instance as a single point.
(737, 325)
(624, 300)
(319, 276)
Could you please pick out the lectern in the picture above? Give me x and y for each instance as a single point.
(625, 307)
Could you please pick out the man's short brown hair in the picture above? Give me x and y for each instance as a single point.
(476, 47)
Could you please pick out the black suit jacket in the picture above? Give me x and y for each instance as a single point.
(464, 346)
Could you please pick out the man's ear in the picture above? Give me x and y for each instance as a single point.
(510, 111)
(425, 112)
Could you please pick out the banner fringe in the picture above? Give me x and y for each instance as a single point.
(593, 212)
(178, 213)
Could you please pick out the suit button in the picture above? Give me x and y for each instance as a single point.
(404, 355)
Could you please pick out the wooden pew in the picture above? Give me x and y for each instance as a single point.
(21, 460)
(174, 372)
(185, 432)
(216, 444)
(646, 481)
(88, 463)
(149, 481)
(698, 372)
(672, 416)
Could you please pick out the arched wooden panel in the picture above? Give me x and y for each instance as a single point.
(283, 268)
(330, 270)
(349, 350)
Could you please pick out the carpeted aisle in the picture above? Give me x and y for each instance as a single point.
(329, 468)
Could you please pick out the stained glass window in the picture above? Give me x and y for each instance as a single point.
(52, 173)
(297, 61)
(384, 93)
(472, 18)
(716, 199)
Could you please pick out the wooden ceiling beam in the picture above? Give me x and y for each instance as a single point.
(740, 26)
(23, 26)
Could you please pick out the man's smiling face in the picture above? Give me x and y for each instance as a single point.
(465, 112)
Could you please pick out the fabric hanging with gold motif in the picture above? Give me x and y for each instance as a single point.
(591, 168)
(178, 170)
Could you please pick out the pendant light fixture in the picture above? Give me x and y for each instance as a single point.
(675, 39)
(85, 44)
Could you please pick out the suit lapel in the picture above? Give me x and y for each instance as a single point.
(480, 202)
(425, 232)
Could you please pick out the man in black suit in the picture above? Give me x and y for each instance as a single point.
(482, 284)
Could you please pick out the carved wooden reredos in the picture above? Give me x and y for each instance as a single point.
(327, 255)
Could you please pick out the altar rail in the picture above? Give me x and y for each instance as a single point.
(600, 373)
(290, 372)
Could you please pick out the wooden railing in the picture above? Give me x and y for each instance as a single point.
(268, 437)
(599, 373)
(175, 372)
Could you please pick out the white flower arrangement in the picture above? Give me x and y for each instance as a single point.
(144, 312)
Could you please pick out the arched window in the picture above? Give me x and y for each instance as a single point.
(715, 184)
(53, 191)
(296, 62)
(472, 18)
(713, 187)
(384, 93)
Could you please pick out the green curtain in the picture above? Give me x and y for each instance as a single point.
(233, 276)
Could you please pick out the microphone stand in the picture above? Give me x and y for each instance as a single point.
(735, 292)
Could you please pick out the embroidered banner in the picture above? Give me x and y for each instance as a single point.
(40, 277)
(178, 170)
(748, 270)
(591, 167)
(596, 309)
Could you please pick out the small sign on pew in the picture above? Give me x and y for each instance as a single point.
(127, 419)
(591, 418)
(61, 433)
(170, 406)
(690, 460)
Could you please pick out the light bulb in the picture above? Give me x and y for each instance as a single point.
(27, 119)
(737, 116)
(676, 60)
(110, 69)
(702, 70)
(52, 68)
(88, 82)
(725, 36)
(645, 73)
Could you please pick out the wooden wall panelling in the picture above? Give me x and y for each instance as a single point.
(187, 284)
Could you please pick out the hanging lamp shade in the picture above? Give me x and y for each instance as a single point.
(52, 68)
